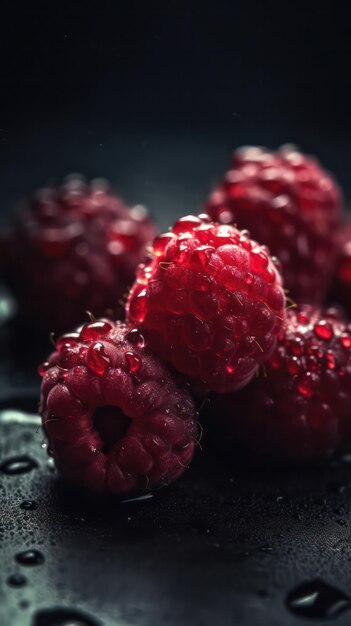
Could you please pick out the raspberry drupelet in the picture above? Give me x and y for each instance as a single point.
(210, 301)
(289, 203)
(115, 418)
(299, 408)
(73, 248)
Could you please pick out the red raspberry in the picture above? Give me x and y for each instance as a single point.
(341, 289)
(115, 418)
(288, 202)
(74, 248)
(300, 407)
(210, 301)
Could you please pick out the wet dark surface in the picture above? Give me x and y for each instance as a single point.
(231, 543)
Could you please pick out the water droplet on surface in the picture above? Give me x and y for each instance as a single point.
(316, 599)
(30, 557)
(143, 498)
(338, 488)
(51, 465)
(29, 505)
(18, 465)
(17, 580)
(63, 617)
(7, 306)
(266, 549)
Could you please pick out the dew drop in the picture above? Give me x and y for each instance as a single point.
(323, 330)
(138, 306)
(51, 465)
(63, 617)
(306, 386)
(67, 341)
(43, 367)
(302, 318)
(16, 580)
(345, 342)
(97, 359)
(316, 599)
(161, 242)
(29, 505)
(133, 361)
(135, 337)
(18, 465)
(95, 330)
(186, 224)
(30, 558)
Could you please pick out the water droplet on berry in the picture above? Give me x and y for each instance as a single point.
(97, 359)
(316, 599)
(345, 342)
(330, 360)
(16, 580)
(43, 367)
(186, 224)
(306, 386)
(138, 306)
(133, 361)
(135, 337)
(302, 318)
(95, 330)
(67, 341)
(323, 330)
(63, 617)
(230, 368)
(161, 242)
(18, 465)
(30, 558)
(29, 505)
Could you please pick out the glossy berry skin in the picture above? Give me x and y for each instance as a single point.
(341, 286)
(115, 418)
(289, 203)
(210, 301)
(299, 407)
(73, 248)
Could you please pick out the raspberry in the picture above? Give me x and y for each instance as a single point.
(210, 301)
(73, 248)
(115, 418)
(300, 407)
(341, 288)
(288, 202)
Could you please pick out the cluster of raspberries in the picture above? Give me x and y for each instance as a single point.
(210, 312)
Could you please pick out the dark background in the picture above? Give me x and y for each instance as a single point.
(155, 95)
